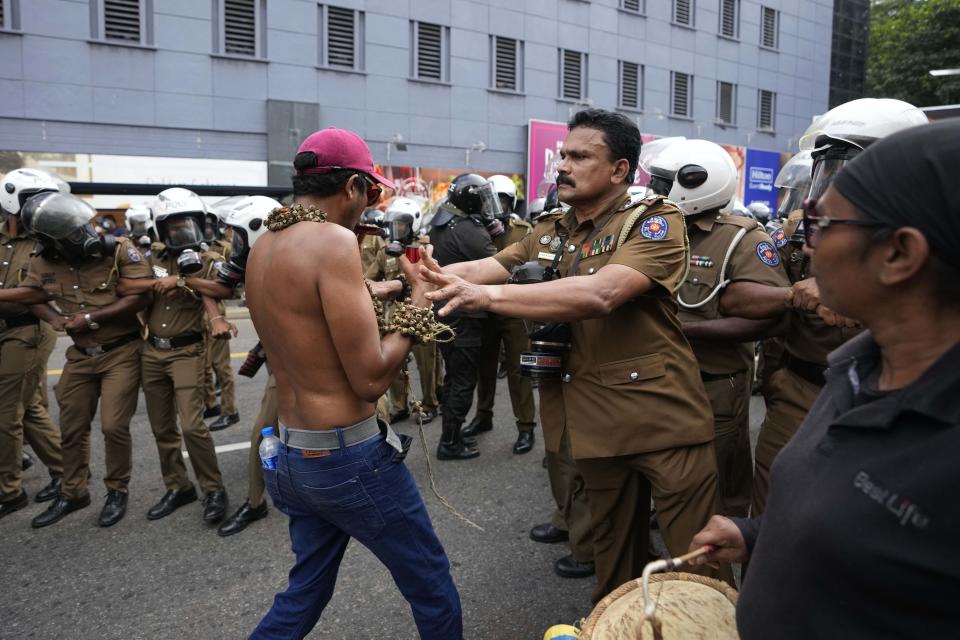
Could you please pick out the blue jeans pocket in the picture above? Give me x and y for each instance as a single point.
(347, 505)
(270, 481)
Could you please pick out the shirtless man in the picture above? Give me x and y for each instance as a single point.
(339, 474)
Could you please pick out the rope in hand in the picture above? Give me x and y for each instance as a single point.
(417, 408)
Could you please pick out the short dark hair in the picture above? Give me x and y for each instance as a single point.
(620, 135)
(317, 184)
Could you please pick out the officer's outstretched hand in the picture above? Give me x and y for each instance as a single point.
(725, 537)
(458, 293)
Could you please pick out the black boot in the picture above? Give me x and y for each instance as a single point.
(114, 509)
(15, 503)
(59, 509)
(243, 517)
(453, 447)
(214, 506)
(524, 443)
(479, 424)
(49, 492)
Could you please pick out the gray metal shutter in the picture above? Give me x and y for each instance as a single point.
(681, 95)
(3, 23)
(240, 27)
(682, 11)
(629, 85)
(572, 79)
(768, 101)
(341, 37)
(505, 70)
(121, 20)
(631, 5)
(728, 18)
(725, 97)
(769, 28)
(429, 51)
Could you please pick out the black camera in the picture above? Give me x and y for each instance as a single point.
(549, 341)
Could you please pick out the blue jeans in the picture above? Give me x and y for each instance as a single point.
(357, 492)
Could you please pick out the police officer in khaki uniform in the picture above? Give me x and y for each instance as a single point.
(627, 393)
(173, 358)
(218, 370)
(80, 273)
(25, 347)
(727, 252)
(510, 332)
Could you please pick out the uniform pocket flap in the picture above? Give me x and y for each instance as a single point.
(632, 369)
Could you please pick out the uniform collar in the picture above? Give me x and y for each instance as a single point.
(933, 394)
(569, 220)
(704, 222)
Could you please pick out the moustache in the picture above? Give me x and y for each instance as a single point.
(565, 180)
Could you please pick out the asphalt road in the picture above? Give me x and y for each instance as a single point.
(176, 579)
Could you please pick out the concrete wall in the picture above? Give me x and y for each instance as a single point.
(62, 91)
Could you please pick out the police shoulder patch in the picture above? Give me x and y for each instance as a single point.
(768, 254)
(779, 237)
(134, 255)
(654, 228)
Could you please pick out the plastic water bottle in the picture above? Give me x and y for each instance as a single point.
(269, 448)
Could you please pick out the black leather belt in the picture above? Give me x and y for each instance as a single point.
(809, 371)
(176, 342)
(99, 349)
(18, 321)
(713, 377)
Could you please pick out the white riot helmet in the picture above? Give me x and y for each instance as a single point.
(179, 215)
(836, 137)
(217, 215)
(535, 209)
(402, 220)
(247, 218)
(702, 175)
(507, 191)
(793, 183)
(140, 223)
(20, 184)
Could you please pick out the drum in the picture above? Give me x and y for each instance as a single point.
(689, 607)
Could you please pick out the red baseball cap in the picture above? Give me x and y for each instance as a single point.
(340, 149)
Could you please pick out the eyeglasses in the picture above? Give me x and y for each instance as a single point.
(374, 190)
(814, 225)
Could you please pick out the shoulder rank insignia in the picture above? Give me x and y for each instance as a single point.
(134, 255)
(701, 261)
(654, 228)
(768, 254)
(596, 247)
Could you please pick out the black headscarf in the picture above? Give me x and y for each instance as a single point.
(911, 179)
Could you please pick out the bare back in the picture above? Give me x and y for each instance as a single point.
(313, 314)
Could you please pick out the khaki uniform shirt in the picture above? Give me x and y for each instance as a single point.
(181, 313)
(222, 248)
(516, 230)
(754, 259)
(91, 285)
(371, 247)
(15, 255)
(631, 383)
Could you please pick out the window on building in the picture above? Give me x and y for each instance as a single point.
(10, 14)
(681, 94)
(766, 110)
(573, 74)
(430, 52)
(631, 85)
(683, 12)
(726, 102)
(121, 20)
(4, 13)
(342, 38)
(769, 27)
(506, 55)
(240, 18)
(730, 18)
(636, 6)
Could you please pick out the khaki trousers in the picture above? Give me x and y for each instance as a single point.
(730, 400)
(572, 513)
(218, 363)
(113, 379)
(429, 367)
(24, 352)
(683, 483)
(513, 334)
(788, 401)
(266, 418)
(173, 387)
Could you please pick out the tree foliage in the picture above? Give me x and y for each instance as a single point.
(908, 38)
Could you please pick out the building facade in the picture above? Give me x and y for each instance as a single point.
(452, 82)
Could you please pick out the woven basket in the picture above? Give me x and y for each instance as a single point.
(689, 607)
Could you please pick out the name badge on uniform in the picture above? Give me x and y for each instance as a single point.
(160, 272)
(596, 247)
(545, 255)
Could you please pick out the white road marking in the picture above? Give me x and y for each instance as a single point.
(224, 448)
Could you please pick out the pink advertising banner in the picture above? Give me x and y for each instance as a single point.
(544, 140)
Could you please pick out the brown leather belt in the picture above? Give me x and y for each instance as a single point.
(99, 349)
(809, 371)
(176, 342)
